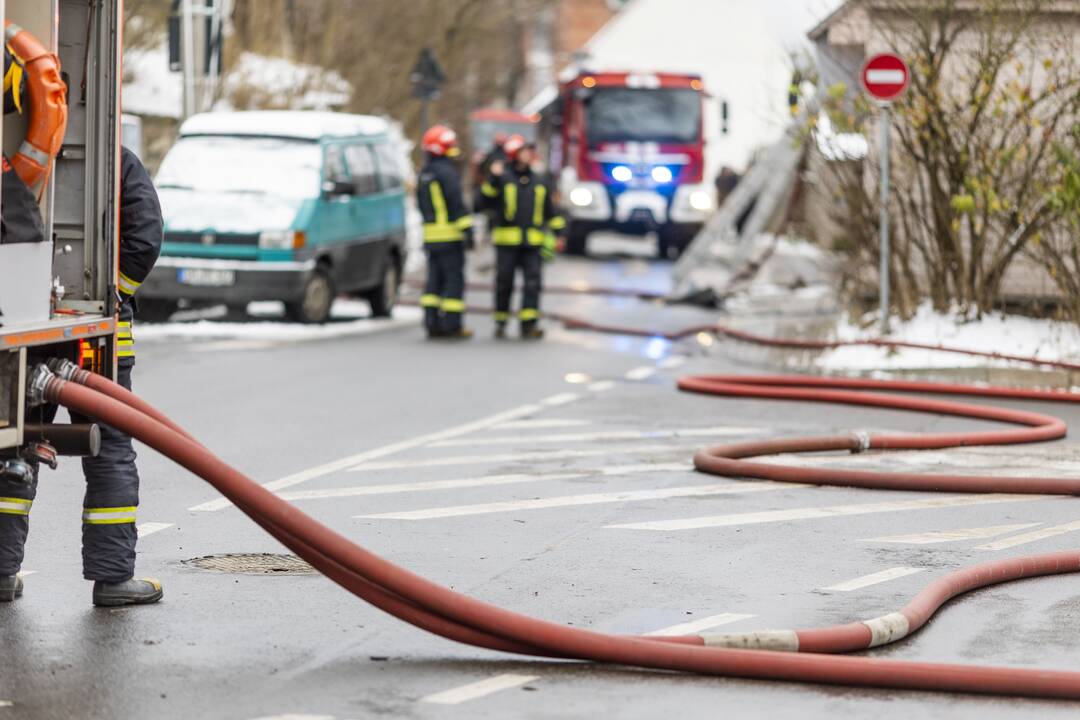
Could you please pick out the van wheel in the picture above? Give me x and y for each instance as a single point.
(153, 310)
(384, 297)
(314, 305)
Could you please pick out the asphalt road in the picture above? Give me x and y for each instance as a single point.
(573, 454)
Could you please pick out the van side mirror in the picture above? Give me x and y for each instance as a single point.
(333, 188)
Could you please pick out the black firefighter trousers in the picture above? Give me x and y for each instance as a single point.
(112, 496)
(444, 294)
(508, 258)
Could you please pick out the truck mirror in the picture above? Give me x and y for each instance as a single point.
(333, 188)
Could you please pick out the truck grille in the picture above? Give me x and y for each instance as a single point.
(212, 238)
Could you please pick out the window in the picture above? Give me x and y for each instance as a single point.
(362, 169)
(334, 167)
(390, 165)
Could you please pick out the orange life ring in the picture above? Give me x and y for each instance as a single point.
(48, 111)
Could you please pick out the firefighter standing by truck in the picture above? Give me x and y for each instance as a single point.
(524, 233)
(447, 233)
(112, 480)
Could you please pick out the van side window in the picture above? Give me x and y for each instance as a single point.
(390, 166)
(362, 169)
(334, 165)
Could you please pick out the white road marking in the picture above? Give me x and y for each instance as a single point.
(601, 386)
(672, 362)
(26, 573)
(490, 480)
(6, 703)
(472, 691)
(640, 373)
(873, 579)
(587, 499)
(510, 458)
(831, 511)
(353, 460)
(542, 424)
(988, 461)
(689, 628)
(147, 529)
(560, 399)
(602, 436)
(944, 536)
(1031, 537)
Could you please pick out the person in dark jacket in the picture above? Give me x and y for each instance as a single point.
(525, 227)
(447, 232)
(112, 480)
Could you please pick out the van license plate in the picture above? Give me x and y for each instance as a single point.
(206, 277)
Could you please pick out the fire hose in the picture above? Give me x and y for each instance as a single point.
(458, 617)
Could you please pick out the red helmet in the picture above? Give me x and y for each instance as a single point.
(513, 146)
(440, 140)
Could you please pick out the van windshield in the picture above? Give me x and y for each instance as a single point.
(236, 164)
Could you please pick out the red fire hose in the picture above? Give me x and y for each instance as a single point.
(459, 617)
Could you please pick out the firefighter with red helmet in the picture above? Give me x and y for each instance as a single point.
(447, 232)
(524, 233)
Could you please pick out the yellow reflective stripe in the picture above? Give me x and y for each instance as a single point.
(127, 285)
(441, 232)
(510, 201)
(123, 336)
(501, 316)
(13, 82)
(15, 506)
(429, 300)
(464, 222)
(538, 207)
(536, 236)
(506, 236)
(489, 190)
(453, 305)
(109, 516)
(529, 314)
(557, 223)
(438, 202)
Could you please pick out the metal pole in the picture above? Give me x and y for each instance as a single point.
(187, 56)
(886, 149)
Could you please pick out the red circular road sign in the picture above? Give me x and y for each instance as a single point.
(885, 76)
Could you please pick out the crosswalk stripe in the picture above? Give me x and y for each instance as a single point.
(512, 457)
(488, 481)
(873, 579)
(588, 499)
(147, 529)
(601, 436)
(689, 628)
(944, 536)
(541, 424)
(1031, 537)
(831, 511)
(472, 691)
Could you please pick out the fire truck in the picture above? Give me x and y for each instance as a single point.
(58, 296)
(628, 152)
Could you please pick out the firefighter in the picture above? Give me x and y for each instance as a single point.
(524, 234)
(112, 480)
(447, 233)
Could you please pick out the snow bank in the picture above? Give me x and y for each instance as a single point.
(995, 332)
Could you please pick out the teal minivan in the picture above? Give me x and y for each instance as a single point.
(280, 205)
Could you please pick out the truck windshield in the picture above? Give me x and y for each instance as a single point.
(645, 115)
(236, 164)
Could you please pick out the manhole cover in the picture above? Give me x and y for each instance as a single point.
(253, 564)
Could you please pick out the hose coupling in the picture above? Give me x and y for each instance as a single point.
(36, 385)
(64, 368)
(862, 442)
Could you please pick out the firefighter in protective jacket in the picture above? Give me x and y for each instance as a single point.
(447, 233)
(112, 480)
(524, 234)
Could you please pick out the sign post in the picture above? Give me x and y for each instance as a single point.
(885, 78)
(426, 78)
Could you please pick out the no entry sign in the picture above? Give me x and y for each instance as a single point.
(885, 77)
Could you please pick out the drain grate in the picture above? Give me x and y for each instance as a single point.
(253, 564)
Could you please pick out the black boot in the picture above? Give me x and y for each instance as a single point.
(130, 592)
(530, 330)
(500, 330)
(11, 587)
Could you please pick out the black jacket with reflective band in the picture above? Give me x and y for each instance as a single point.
(141, 225)
(525, 211)
(439, 198)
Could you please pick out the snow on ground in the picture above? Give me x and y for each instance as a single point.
(348, 318)
(994, 333)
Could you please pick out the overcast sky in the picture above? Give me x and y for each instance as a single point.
(794, 18)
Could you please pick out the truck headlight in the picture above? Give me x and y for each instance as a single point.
(281, 240)
(701, 200)
(581, 197)
(662, 174)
